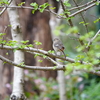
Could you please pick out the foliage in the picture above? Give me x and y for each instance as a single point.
(3, 2)
(78, 87)
(41, 8)
(91, 92)
(48, 88)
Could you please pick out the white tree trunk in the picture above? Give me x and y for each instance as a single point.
(54, 22)
(62, 87)
(18, 79)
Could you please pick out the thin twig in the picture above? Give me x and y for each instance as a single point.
(4, 9)
(84, 9)
(81, 16)
(71, 24)
(70, 21)
(74, 8)
(47, 57)
(90, 42)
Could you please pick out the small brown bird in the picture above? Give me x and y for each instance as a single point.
(58, 46)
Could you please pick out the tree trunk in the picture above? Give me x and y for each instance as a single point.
(18, 91)
(38, 26)
(54, 22)
(5, 69)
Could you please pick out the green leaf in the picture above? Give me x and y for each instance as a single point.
(22, 64)
(41, 10)
(57, 32)
(35, 5)
(40, 60)
(36, 55)
(67, 4)
(69, 69)
(37, 42)
(97, 3)
(54, 67)
(4, 62)
(69, 18)
(14, 50)
(3, 2)
(20, 4)
(7, 53)
(9, 25)
(98, 54)
(21, 46)
(30, 45)
(83, 23)
(52, 7)
(97, 20)
(73, 30)
(11, 43)
(42, 7)
(24, 42)
(33, 11)
(2, 41)
(51, 51)
(2, 34)
(44, 56)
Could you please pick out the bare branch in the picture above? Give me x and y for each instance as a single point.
(83, 5)
(84, 9)
(81, 16)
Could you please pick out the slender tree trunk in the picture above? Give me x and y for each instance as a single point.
(61, 78)
(18, 80)
(62, 87)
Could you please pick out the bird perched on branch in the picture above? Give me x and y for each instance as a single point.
(58, 46)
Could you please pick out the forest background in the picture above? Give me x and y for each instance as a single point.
(36, 23)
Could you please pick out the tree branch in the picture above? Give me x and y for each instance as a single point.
(84, 9)
(39, 51)
(48, 58)
(59, 16)
(31, 67)
(70, 21)
(4, 8)
(74, 8)
(81, 15)
(90, 42)
(44, 68)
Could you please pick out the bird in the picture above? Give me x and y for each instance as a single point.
(58, 46)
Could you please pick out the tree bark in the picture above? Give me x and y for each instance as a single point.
(38, 26)
(18, 80)
(5, 69)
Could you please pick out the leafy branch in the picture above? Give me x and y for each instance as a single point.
(61, 67)
(42, 8)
